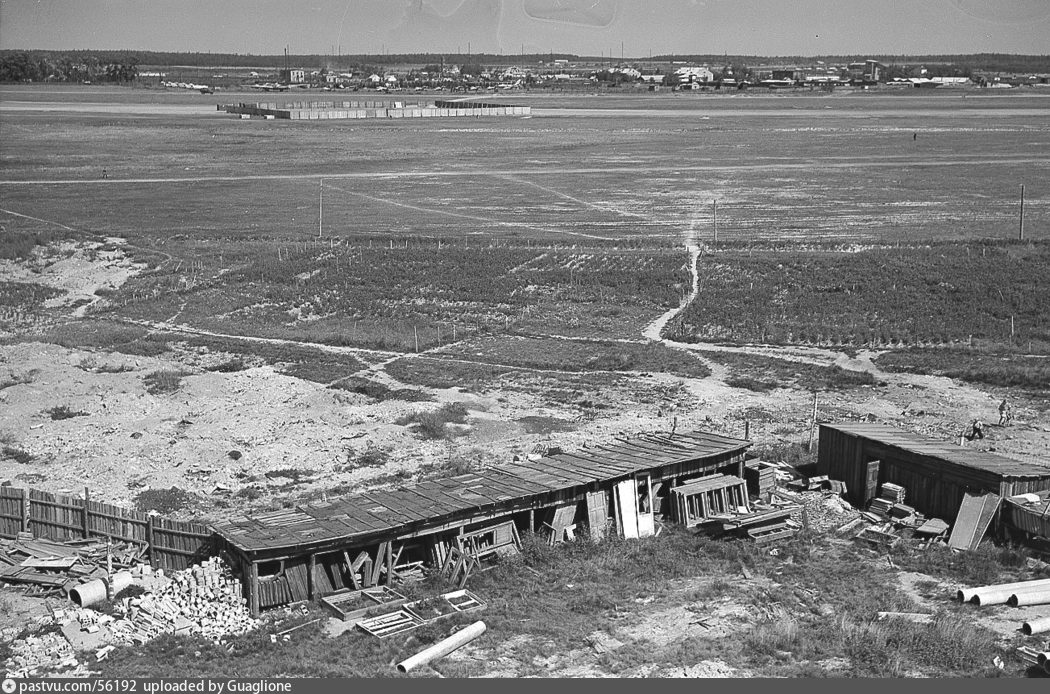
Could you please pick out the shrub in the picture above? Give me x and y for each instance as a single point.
(294, 474)
(372, 456)
(748, 383)
(164, 382)
(432, 425)
(231, 366)
(64, 412)
(17, 454)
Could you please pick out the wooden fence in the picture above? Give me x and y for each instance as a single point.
(172, 544)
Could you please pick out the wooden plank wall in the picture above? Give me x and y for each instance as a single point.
(173, 544)
(10, 511)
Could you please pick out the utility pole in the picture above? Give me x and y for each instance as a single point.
(1020, 230)
(320, 208)
(714, 213)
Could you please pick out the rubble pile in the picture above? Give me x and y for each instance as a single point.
(821, 510)
(46, 568)
(204, 599)
(46, 653)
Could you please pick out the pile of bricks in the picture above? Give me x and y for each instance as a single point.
(48, 653)
(204, 599)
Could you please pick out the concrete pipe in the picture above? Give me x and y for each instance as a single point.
(443, 647)
(966, 594)
(119, 581)
(1036, 626)
(89, 593)
(1042, 658)
(1001, 596)
(1029, 597)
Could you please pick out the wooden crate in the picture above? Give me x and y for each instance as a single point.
(353, 604)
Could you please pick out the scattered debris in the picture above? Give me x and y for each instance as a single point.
(415, 614)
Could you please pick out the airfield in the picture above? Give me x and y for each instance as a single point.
(510, 255)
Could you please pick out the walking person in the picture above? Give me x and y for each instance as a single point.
(1004, 413)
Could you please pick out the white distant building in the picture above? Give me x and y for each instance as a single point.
(688, 75)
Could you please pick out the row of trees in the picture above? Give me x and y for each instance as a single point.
(34, 66)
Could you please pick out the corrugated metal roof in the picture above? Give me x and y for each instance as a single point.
(945, 450)
(435, 501)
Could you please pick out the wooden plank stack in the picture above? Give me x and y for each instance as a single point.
(46, 567)
(889, 495)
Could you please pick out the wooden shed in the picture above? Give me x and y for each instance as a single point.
(935, 474)
(315, 549)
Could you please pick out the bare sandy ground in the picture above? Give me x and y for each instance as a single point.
(128, 440)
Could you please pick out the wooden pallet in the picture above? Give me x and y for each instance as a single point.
(386, 625)
(770, 533)
(351, 604)
(419, 612)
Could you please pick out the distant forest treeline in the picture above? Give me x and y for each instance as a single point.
(122, 66)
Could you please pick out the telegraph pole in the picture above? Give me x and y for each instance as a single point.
(1020, 230)
(714, 214)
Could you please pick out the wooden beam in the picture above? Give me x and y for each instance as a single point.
(353, 574)
(253, 589)
(377, 566)
(311, 580)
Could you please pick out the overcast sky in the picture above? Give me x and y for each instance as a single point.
(591, 27)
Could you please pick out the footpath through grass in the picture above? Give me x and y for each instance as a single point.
(810, 607)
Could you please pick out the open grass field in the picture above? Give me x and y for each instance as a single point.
(497, 224)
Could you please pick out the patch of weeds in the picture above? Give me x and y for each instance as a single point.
(231, 366)
(794, 454)
(17, 379)
(64, 412)
(294, 474)
(16, 454)
(372, 456)
(380, 391)
(433, 425)
(165, 501)
(545, 425)
(164, 382)
(982, 566)
(362, 386)
(249, 493)
(752, 384)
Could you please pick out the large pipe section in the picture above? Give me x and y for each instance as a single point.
(96, 591)
(1001, 596)
(1036, 626)
(1029, 597)
(967, 594)
(443, 647)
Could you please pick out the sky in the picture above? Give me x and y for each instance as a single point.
(632, 28)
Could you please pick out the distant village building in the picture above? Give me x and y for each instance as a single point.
(293, 76)
(690, 75)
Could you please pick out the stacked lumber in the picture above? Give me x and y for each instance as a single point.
(46, 567)
(890, 495)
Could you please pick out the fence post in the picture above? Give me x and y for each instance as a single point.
(87, 498)
(149, 540)
(25, 509)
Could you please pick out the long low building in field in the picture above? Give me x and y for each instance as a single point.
(936, 475)
(342, 110)
(315, 549)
